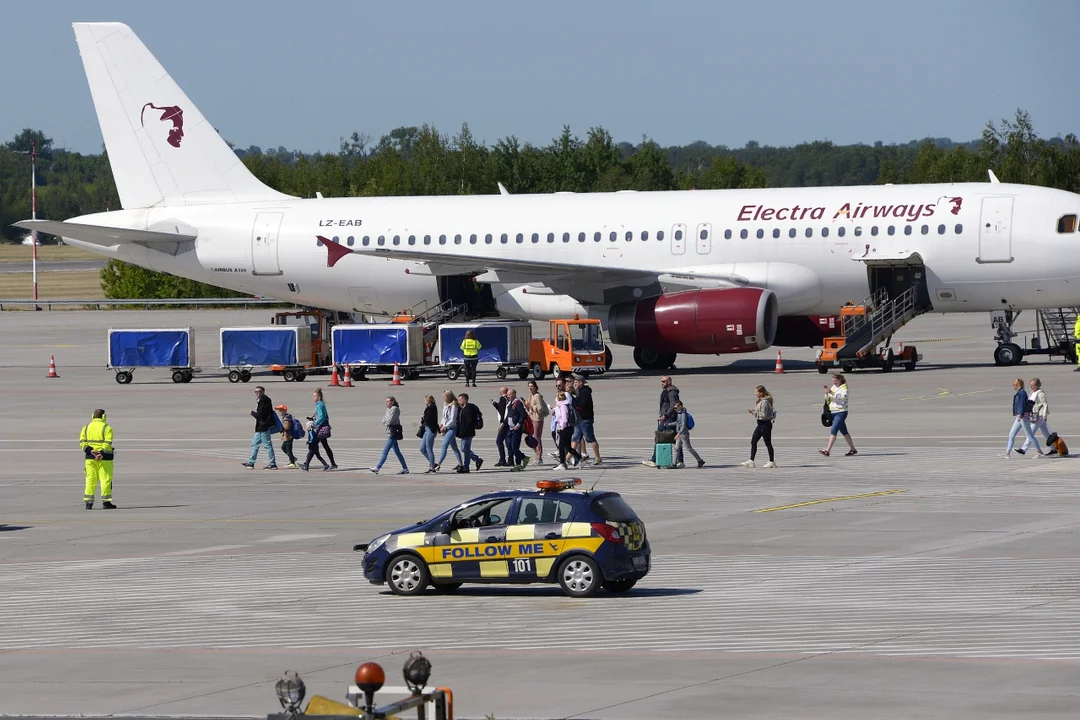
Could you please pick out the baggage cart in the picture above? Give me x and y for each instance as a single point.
(244, 349)
(172, 348)
(504, 345)
(377, 347)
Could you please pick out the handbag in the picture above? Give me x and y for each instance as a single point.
(826, 414)
(323, 433)
(664, 437)
(397, 432)
(420, 430)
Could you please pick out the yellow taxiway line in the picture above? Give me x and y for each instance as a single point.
(828, 500)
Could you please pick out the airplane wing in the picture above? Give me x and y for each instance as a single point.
(583, 282)
(106, 236)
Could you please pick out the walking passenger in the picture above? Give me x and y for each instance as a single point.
(264, 423)
(470, 348)
(764, 413)
(669, 395)
(287, 435)
(321, 419)
(429, 428)
(503, 433)
(1021, 408)
(394, 432)
(469, 421)
(448, 428)
(564, 418)
(560, 387)
(313, 447)
(537, 410)
(837, 396)
(96, 441)
(515, 426)
(1039, 411)
(584, 431)
(682, 436)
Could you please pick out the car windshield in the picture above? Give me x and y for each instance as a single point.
(613, 507)
(481, 514)
(587, 338)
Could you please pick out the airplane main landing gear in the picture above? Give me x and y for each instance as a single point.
(1007, 352)
(649, 359)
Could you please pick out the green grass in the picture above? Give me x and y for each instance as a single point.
(12, 253)
(75, 285)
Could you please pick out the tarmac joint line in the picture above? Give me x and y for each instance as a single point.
(828, 500)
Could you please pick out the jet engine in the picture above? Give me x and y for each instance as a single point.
(711, 321)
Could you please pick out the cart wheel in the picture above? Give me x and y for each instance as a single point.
(538, 372)
(290, 376)
(245, 375)
(910, 365)
(234, 376)
(178, 376)
(188, 376)
(523, 373)
(124, 378)
(413, 374)
(500, 372)
(453, 372)
(301, 376)
(887, 361)
(822, 368)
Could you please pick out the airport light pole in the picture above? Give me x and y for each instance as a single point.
(33, 213)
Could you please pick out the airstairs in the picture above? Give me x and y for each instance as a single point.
(868, 325)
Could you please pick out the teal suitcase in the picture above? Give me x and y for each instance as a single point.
(665, 455)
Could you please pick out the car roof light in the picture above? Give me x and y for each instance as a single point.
(557, 485)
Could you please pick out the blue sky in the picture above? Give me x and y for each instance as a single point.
(776, 71)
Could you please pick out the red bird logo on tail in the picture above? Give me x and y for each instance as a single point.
(334, 251)
(957, 203)
(169, 113)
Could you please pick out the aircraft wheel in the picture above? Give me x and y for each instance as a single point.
(649, 359)
(1008, 354)
(607, 358)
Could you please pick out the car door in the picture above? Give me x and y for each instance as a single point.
(537, 536)
(477, 549)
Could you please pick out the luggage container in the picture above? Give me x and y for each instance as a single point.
(172, 348)
(503, 345)
(243, 349)
(377, 346)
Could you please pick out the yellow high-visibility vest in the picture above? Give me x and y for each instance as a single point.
(471, 348)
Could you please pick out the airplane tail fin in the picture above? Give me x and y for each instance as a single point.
(161, 149)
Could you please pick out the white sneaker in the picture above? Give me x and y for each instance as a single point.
(748, 463)
(560, 466)
(553, 455)
(770, 464)
(646, 463)
(679, 466)
(1004, 455)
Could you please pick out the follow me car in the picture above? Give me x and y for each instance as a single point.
(582, 540)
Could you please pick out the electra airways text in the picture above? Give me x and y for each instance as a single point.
(700, 271)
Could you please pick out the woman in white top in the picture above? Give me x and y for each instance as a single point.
(837, 395)
(448, 427)
(1039, 411)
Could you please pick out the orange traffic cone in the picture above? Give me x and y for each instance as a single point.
(779, 363)
(52, 367)
(348, 378)
(901, 353)
(334, 378)
(397, 376)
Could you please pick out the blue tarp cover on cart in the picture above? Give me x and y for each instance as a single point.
(384, 345)
(149, 348)
(258, 347)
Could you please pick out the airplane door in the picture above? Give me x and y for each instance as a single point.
(264, 244)
(704, 238)
(678, 239)
(995, 230)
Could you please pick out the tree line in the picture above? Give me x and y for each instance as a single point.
(423, 161)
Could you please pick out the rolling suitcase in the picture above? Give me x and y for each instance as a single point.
(665, 455)
(1058, 445)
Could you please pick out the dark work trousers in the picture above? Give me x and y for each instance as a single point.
(500, 441)
(762, 432)
(286, 447)
(470, 370)
(513, 447)
(566, 445)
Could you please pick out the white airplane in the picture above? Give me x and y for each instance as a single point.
(707, 271)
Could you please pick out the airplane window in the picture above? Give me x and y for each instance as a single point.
(660, 235)
(892, 229)
(704, 234)
(925, 229)
(581, 237)
(629, 235)
(472, 239)
(412, 240)
(809, 232)
(760, 233)
(520, 238)
(792, 232)
(350, 240)
(841, 231)
(825, 232)
(366, 240)
(427, 239)
(335, 239)
(907, 229)
(678, 234)
(382, 239)
(442, 239)
(613, 237)
(504, 238)
(776, 232)
(488, 238)
(743, 234)
(1066, 224)
(727, 234)
(940, 229)
(457, 239)
(873, 231)
(397, 239)
(551, 237)
(536, 237)
(566, 237)
(858, 231)
(959, 228)
(596, 237)
(644, 234)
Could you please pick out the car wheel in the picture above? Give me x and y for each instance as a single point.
(407, 575)
(619, 586)
(446, 587)
(580, 576)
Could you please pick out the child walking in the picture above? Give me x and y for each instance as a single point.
(682, 436)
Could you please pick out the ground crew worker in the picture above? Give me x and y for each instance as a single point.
(470, 347)
(1076, 343)
(96, 440)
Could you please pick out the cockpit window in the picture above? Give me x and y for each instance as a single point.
(1067, 224)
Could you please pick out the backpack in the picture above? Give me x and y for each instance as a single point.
(689, 421)
(297, 430)
(1058, 445)
(572, 416)
(478, 418)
